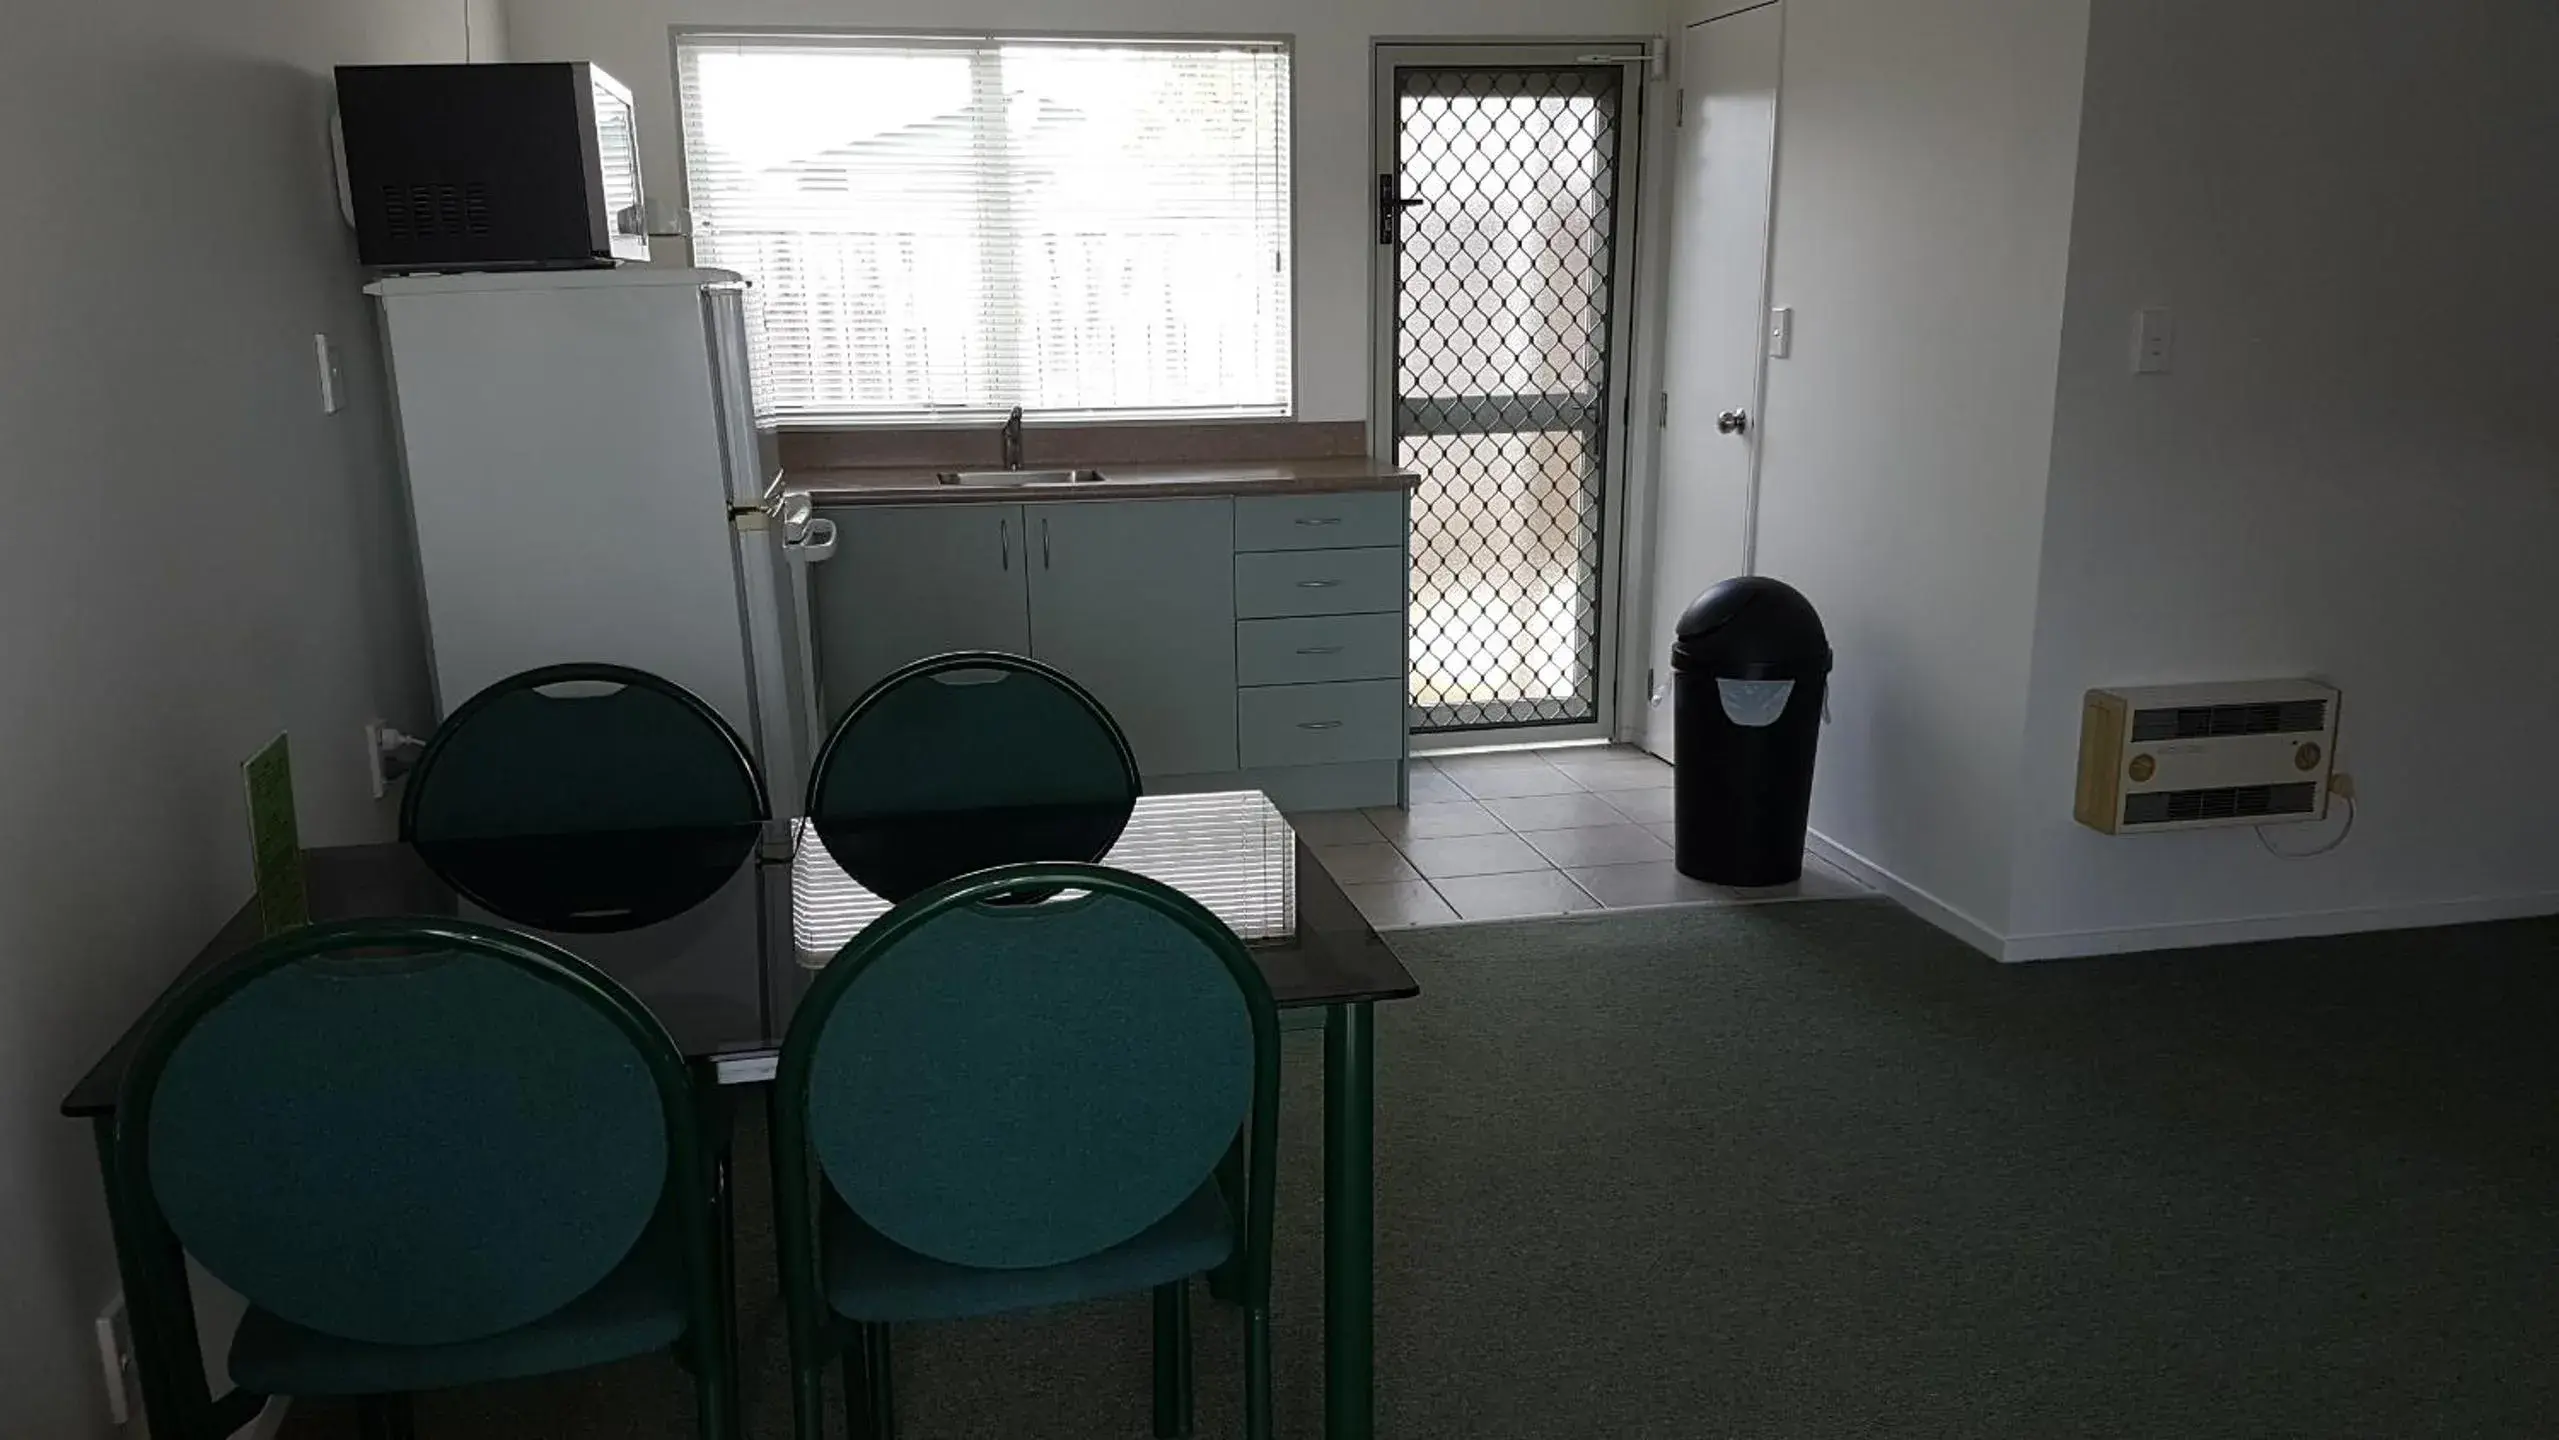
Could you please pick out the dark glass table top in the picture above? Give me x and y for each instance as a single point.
(766, 910)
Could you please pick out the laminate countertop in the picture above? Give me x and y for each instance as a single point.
(912, 485)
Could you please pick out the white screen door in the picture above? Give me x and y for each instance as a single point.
(1726, 150)
(1504, 176)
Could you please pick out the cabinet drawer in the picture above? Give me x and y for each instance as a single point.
(1320, 724)
(1329, 647)
(1319, 582)
(1344, 521)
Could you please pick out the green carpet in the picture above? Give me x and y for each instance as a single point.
(1816, 1170)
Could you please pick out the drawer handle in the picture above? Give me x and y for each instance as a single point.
(1319, 650)
(1319, 724)
(1317, 584)
(1321, 520)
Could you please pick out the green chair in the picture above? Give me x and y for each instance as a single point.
(966, 761)
(584, 798)
(985, 1107)
(428, 1153)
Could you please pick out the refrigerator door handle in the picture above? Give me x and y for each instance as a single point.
(795, 510)
(816, 542)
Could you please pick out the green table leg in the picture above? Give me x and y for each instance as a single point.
(1350, 1222)
(168, 1359)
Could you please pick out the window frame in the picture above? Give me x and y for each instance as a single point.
(853, 35)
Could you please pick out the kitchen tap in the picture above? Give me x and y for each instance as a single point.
(1013, 439)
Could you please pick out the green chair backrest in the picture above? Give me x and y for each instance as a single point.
(965, 761)
(572, 749)
(1007, 1085)
(405, 1132)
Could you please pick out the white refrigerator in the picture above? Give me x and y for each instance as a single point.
(588, 482)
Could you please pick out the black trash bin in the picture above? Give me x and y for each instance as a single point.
(1751, 665)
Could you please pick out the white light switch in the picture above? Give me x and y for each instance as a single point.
(1781, 332)
(333, 386)
(2154, 341)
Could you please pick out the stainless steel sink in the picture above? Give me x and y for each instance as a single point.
(1006, 478)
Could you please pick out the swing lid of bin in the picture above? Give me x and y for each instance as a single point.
(1752, 628)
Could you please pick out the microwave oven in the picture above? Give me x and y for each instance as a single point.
(490, 167)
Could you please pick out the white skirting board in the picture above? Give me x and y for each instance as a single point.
(1951, 919)
(2185, 935)
(2188, 935)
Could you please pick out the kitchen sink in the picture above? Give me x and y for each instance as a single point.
(1007, 478)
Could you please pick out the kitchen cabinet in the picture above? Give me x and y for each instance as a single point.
(1240, 642)
(1342, 521)
(1345, 723)
(1320, 639)
(1319, 582)
(1135, 599)
(908, 581)
(1310, 650)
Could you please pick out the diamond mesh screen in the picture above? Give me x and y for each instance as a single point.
(1508, 178)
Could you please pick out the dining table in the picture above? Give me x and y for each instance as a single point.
(720, 931)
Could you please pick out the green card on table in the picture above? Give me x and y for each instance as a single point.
(275, 840)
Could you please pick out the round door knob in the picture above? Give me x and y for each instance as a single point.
(1733, 422)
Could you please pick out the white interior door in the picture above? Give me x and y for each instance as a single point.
(1717, 328)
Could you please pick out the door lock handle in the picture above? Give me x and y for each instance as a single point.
(1733, 422)
(1319, 724)
(1319, 650)
(1004, 541)
(1391, 205)
(1317, 584)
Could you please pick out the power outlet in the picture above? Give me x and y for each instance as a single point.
(115, 1359)
(2154, 341)
(373, 767)
(388, 753)
(333, 375)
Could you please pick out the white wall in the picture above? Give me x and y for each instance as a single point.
(484, 29)
(2353, 471)
(1925, 154)
(193, 556)
(1335, 180)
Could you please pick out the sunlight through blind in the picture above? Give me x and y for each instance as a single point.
(1231, 851)
(949, 228)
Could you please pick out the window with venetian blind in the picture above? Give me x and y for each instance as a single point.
(947, 227)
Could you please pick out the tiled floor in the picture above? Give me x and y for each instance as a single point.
(1521, 833)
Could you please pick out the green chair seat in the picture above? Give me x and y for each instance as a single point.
(987, 1105)
(427, 1153)
(639, 1309)
(872, 1278)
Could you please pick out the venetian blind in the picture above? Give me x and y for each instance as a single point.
(952, 227)
(1233, 852)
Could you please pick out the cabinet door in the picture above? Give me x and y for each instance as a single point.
(909, 581)
(1136, 600)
